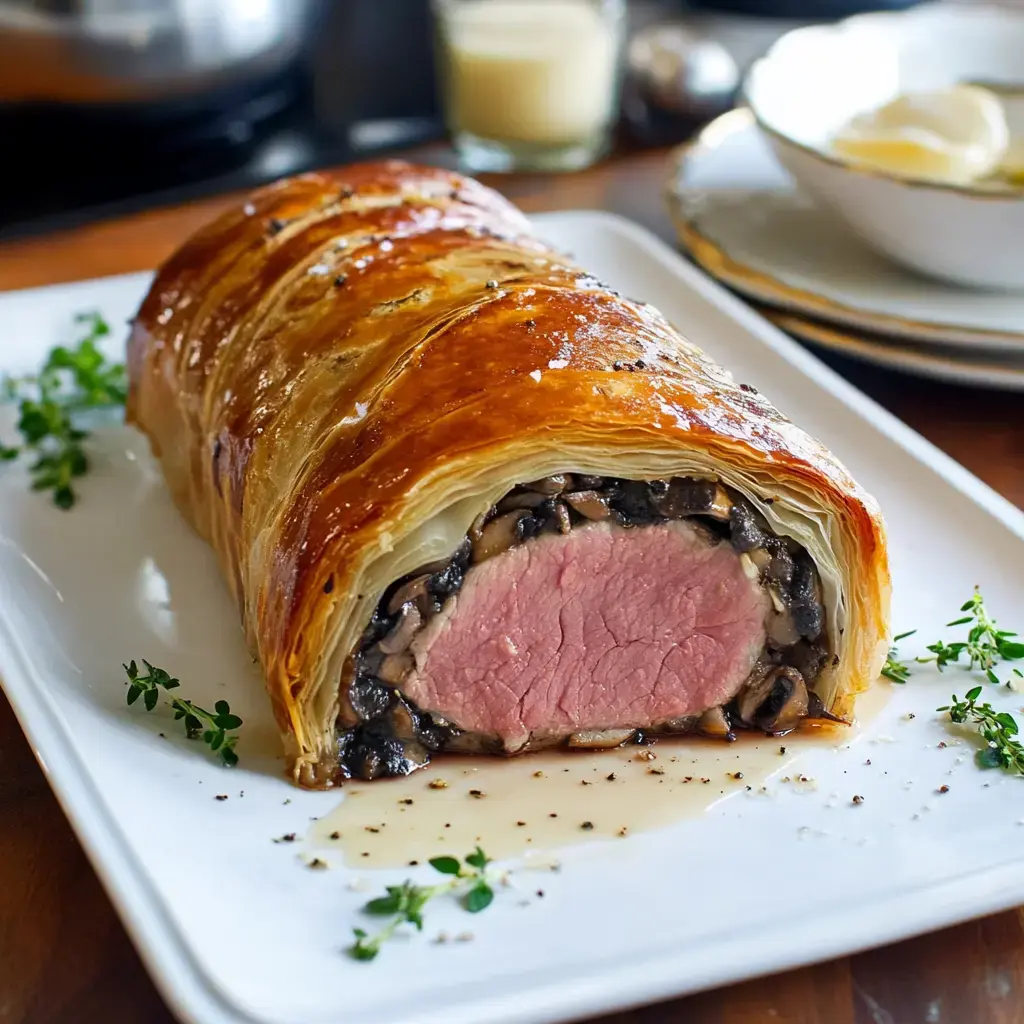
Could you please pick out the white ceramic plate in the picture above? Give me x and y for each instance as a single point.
(980, 369)
(235, 929)
(967, 234)
(740, 216)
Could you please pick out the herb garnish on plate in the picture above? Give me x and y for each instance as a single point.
(984, 648)
(997, 728)
(71, 381)
(985, 645)
(147, 686)
(212, 727)
(404, 903)
(217, 725)
(894, 669)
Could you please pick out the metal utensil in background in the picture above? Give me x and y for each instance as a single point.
(106, 52)
(676, 79)
(104, 99)
(158, 101)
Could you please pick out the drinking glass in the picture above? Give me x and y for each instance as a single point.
(530, 84)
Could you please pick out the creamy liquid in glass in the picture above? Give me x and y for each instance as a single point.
(538, 71)
(557, 798)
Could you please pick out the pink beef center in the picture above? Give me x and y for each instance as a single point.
(602, 628)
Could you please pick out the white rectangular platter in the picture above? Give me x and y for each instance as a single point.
(235, 929)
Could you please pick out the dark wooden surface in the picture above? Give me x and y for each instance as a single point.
(64, 956)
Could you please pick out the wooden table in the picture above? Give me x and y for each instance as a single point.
(64, 956)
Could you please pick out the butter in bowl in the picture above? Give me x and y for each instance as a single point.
(910, 127)
(958, 136)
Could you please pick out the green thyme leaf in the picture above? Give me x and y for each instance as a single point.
(478, 898)
(997, 730)
(384, 904)
(894, 669)
(69, 382)
(446, 865)
(989, 757)
(404, 904)
(364, 948)
(985, 645)
(146, 685)
(212, 728)
(477, 859)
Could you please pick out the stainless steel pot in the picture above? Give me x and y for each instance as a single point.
(128, 51)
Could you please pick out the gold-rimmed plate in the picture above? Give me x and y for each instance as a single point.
(740, 216)
(974, 369)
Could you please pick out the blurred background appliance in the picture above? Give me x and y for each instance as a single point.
(111, 106)
(124, 51)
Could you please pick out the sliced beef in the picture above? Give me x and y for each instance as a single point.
(601, 628)
(589, 611)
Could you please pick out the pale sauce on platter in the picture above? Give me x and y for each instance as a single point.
(552, 799)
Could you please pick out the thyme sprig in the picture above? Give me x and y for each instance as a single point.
(210, 726)
(985, 644)
(894, 669)
(997, 728)
(70, 381)
(147, 686)
(217, 725)
(404, 903)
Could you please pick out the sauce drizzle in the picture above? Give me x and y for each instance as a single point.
(556, 798)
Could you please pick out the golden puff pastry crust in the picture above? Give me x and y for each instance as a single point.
(340, 373)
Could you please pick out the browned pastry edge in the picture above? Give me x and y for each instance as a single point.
(327, 359)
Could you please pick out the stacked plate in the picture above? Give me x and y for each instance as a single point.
(740, 216)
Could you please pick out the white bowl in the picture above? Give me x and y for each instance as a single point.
(813, 80)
